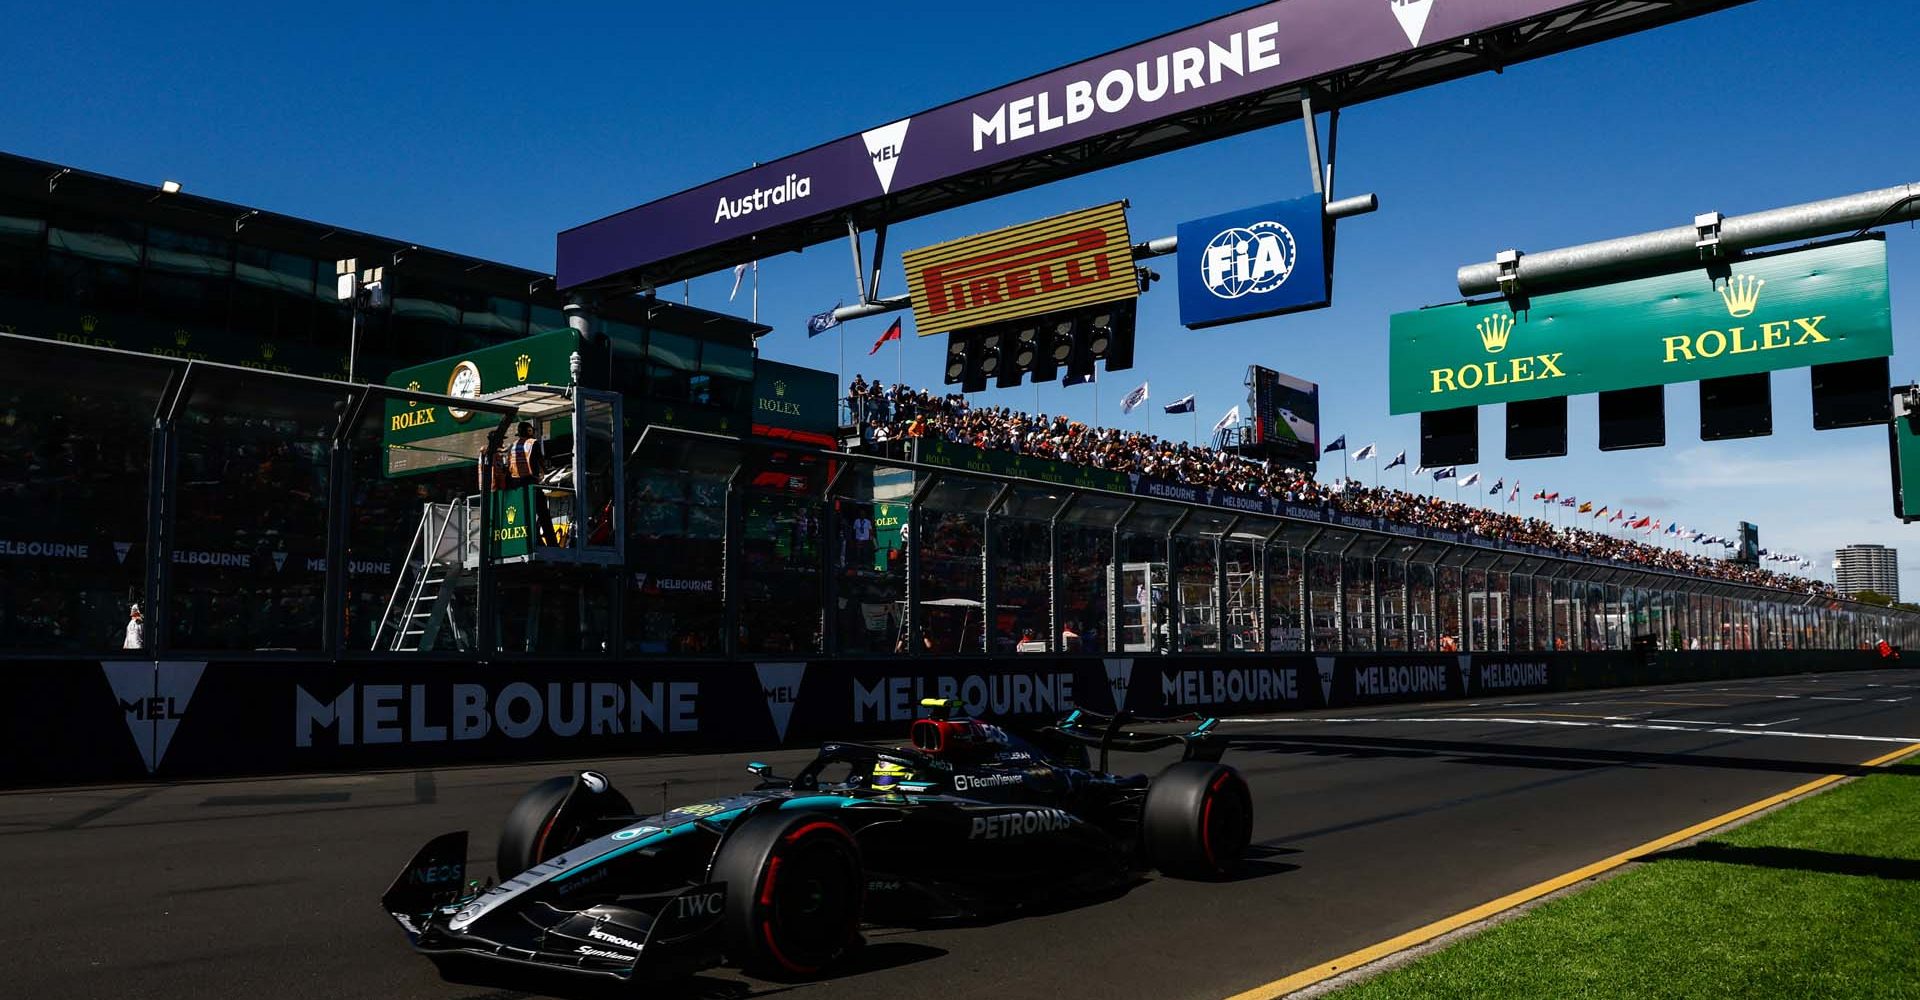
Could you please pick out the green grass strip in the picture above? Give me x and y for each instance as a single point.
(1819, 899)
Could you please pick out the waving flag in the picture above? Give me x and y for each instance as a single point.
(893, 333)
(1182, 405)
(1400, 459)
(739, 271)
(1498, 485)
(1134, 398)
(1551, 497)
(1586, 508)
(1570, 502)
(1078, 379)
(1643, 522)
(1358, 456)
(1339, 444)
(1230, 418)
(1446, 473)
(1674, 528)
(1617, 515)
(1598, 514)
(820, 323)
(1470, 480)
(1514, 497)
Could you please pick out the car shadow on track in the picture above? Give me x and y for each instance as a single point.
(1531, 755)
(515, 984)
(1795, 859)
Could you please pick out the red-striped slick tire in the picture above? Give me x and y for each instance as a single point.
(794, 888)
(1197, 820)
(551, 818)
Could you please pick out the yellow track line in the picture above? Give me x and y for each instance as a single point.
(1421, 935)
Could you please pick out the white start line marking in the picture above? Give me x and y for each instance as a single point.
(1668, 726)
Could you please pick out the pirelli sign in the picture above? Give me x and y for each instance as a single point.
(1072, 260)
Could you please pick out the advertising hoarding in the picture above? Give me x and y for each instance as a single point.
(422, 437)
(1260, 50)
(1077, 259)
(1253, 262)
(794, 402)
(1786, 310)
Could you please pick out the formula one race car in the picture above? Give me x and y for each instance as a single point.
(967, 822)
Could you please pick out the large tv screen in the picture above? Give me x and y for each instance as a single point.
(1286, 414)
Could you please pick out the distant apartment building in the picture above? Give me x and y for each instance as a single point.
(1867, 567)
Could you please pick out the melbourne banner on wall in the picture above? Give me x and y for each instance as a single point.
(129, 719)
(1254, 262)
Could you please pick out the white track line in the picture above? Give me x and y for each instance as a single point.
(1571, 724)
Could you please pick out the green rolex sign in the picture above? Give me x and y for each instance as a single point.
(422, 437)
(1788, 310)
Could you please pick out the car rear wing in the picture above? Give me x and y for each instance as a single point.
(1105, 731)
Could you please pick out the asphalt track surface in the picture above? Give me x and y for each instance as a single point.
(1369, 823)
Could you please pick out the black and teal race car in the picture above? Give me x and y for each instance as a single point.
(967, 821)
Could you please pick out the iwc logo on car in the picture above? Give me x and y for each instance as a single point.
(1248, 260)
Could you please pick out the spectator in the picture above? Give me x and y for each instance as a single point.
(899, 411)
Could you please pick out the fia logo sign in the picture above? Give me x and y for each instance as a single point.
(1251, 260)
(780, 682)
(154, 698)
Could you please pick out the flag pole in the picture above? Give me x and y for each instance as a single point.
(756, 291)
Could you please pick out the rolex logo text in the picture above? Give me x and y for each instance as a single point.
(1741, 293)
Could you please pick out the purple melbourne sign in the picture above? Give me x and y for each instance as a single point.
(1264, 48)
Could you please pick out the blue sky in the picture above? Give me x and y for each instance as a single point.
(487, 128)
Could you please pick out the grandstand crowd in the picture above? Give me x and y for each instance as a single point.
(887, 414)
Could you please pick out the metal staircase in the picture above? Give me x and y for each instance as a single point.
(436, 563)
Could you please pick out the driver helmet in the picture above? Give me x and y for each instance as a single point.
(887, 774)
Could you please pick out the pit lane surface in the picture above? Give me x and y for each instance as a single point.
(1369, 823)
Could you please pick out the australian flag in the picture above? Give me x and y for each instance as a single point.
(820, 323)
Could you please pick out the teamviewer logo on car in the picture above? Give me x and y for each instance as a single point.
(1248, 261)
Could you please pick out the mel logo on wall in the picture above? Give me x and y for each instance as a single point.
(154, 698)
(780, 682)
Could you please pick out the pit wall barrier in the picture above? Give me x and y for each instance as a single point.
(123, 720)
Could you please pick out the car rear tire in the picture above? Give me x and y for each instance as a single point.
(553, 816)
(794, 894)
(1197, 821)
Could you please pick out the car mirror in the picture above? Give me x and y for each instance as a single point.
(759, 770)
